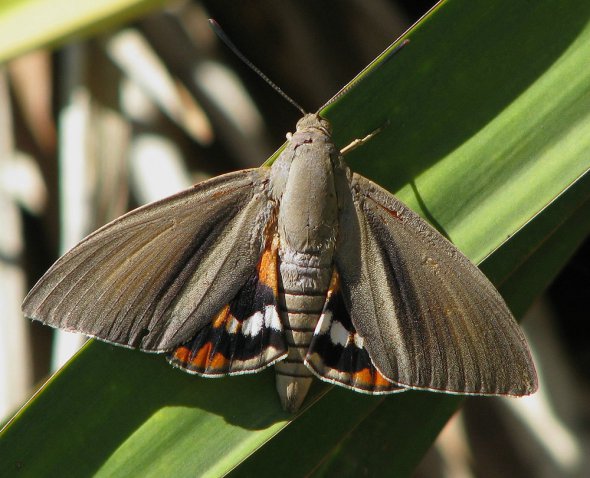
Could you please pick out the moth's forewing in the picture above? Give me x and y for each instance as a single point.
(155, 276)
(429, 318)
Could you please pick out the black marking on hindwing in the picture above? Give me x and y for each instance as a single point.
(337, 354)
(246, 335)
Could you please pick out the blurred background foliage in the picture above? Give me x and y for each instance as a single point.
(139, 100)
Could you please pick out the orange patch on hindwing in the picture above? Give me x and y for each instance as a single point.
(205, 359)
(370, 379)
(268, 266)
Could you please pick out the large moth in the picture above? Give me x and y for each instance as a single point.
(304, 266)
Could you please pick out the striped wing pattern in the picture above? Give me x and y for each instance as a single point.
(246, 335)
(337, 353)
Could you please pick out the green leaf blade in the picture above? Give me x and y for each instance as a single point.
(27, 25)
(490, 123)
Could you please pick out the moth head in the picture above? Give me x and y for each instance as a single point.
(314, 121)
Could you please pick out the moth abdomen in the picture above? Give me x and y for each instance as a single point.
(299, 312)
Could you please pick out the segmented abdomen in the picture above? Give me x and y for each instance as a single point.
(299, 315)
(303, 285)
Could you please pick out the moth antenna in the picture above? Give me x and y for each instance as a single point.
(359, 77)
(225, 39)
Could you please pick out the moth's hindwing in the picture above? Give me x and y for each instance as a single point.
(337, 353)
(247, 334)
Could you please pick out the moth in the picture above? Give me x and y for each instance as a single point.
(303, 265)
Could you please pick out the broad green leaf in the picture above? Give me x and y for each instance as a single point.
(488, 114)
(30, 24)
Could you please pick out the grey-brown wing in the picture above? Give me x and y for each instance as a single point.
(152, 278)
(429, 317)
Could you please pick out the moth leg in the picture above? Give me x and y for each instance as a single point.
(360, 141)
